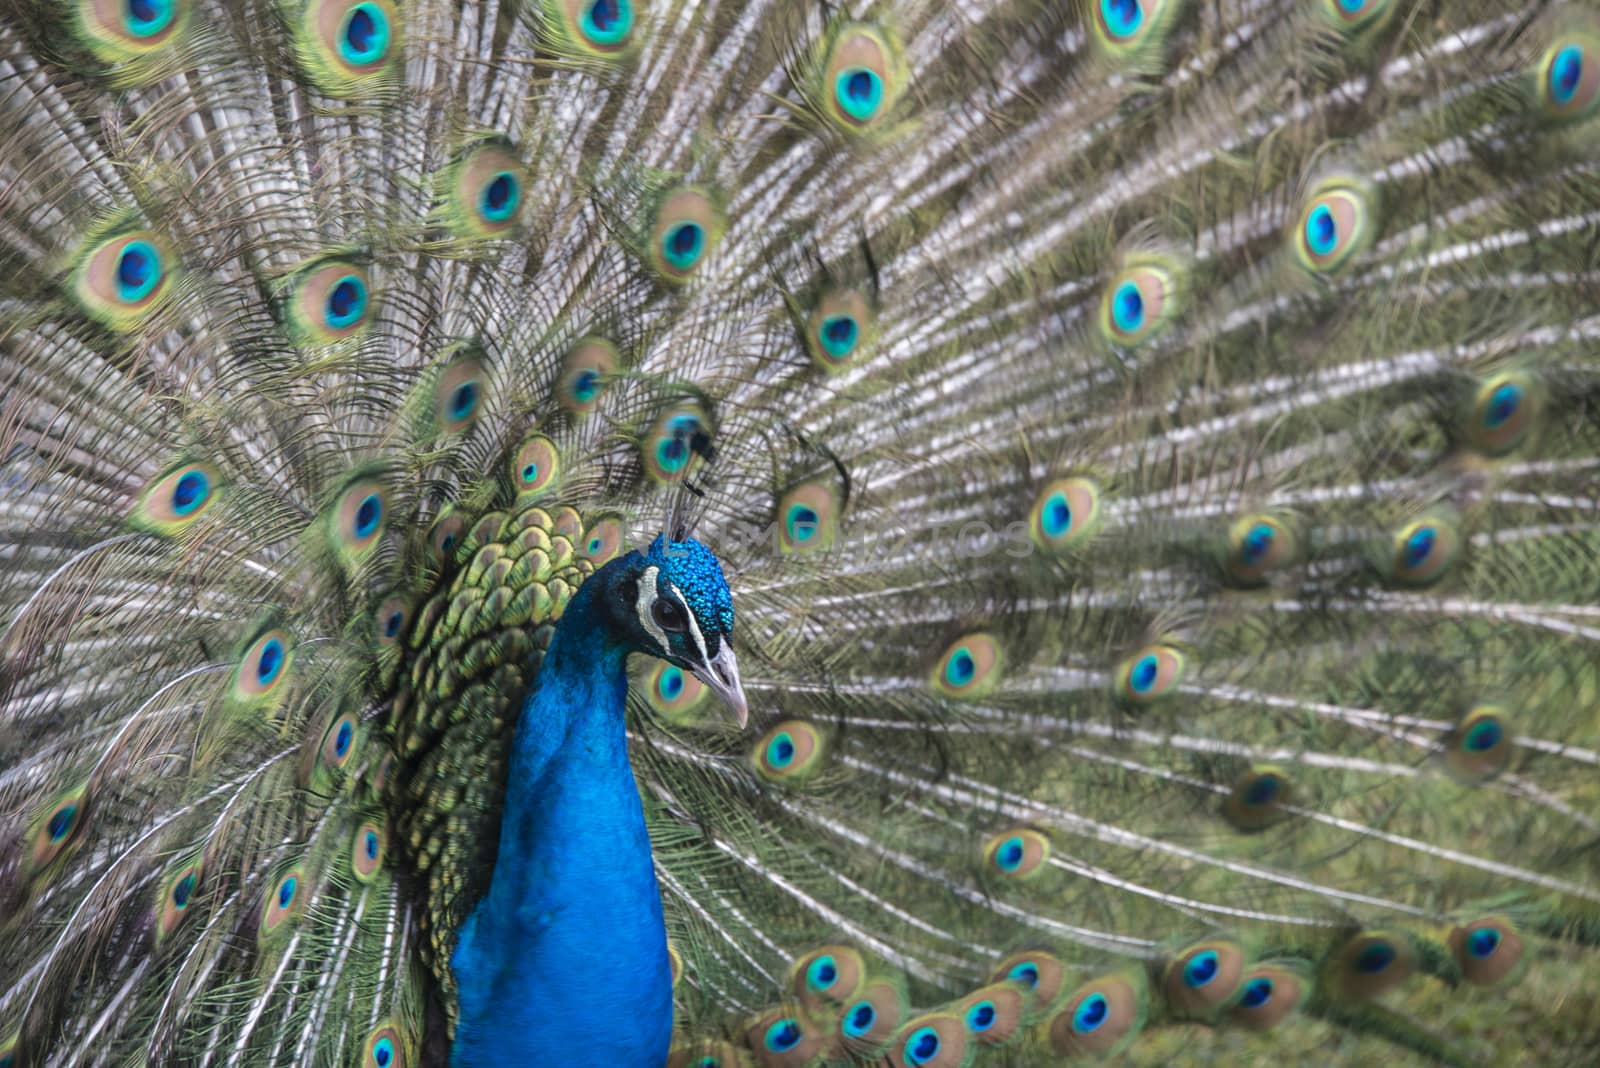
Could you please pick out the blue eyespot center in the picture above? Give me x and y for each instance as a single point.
(981, 1016)
(1122, 18)
(961, 668)
(1009, 855)
(671, 683)
(368, 514)
(1127, 308)
(1201, 969)
(342, 738)
(347, 302)
(1503, 403)
(61, 822)
(1257, 543)
(286, 891)
(1143, 675)
(1257, 992)
(1484, 735)
(595, 545)
(683, 244)
(1091, 1014)
(822, 974)
(392, 625)
(859, 92)
(1482, 942)
(838, 335)
(1262, 790)
(803, 523)
(782, 1036)
(501, 195)
(586, 385)
(183, 891)
(859, 1020)
(1056, 516)
(607, 22)
(463, 400)
(383, 1052)
(1419, 546)
(149, 17)
(1566, 72)
(780, 751)
(138, 271)
(922, 1046)
(364, 38)
(1375, 958)
(269, 662)
(190, 492)
(1026, 973)
(370, 845)
(1322, 231)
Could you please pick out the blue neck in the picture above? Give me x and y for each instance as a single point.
(566, 956)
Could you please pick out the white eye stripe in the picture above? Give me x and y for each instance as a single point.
(647, 600)
(694, 626)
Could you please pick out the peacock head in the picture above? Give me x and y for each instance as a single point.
(671, 601)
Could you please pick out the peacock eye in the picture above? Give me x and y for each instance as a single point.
(667, 615)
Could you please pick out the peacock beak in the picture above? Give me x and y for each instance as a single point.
(721, 676)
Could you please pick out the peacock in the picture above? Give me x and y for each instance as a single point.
(732, 533)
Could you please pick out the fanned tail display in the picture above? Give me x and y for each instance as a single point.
(1153, 448)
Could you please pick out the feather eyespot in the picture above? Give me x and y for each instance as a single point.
(1336, 223)
(445, 537)
(177, 894)
(385, 1048)
(585, 374)
(171, 502)
(782, 1039)
(1017, 853)
(330, 302)
(1371, 964)
(1480, 747)
(602, 543)
(862, 76)
(838, 329)
(1269, 994)
(58, 828)
(263, 666)
(1039, 974)
(1258, 799)
(789, 751)
(687, 226)
(1487, 949)
(283, 902)
(1503, 411)
(970, 667)
(827, 977)
(1355, 14)
(1569, 78)
(367, 849)
(484, 190)
(1151, 673)
(1101, 1017)
(348, 49)
(934, 1040)
(458, 394)
(674, 693)
(340, 742)
(535, 465)
(1423, 552)
(673, 442)
(1258, 546)
(1065, 514)
(1124, 28)
(120, 281)
(593, 29)
(807, 518)
(1139, 302)
(994, 1014)
(121, 31)
(1204, 977)
(869, 1022)
(389, 621)
(357, 518)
